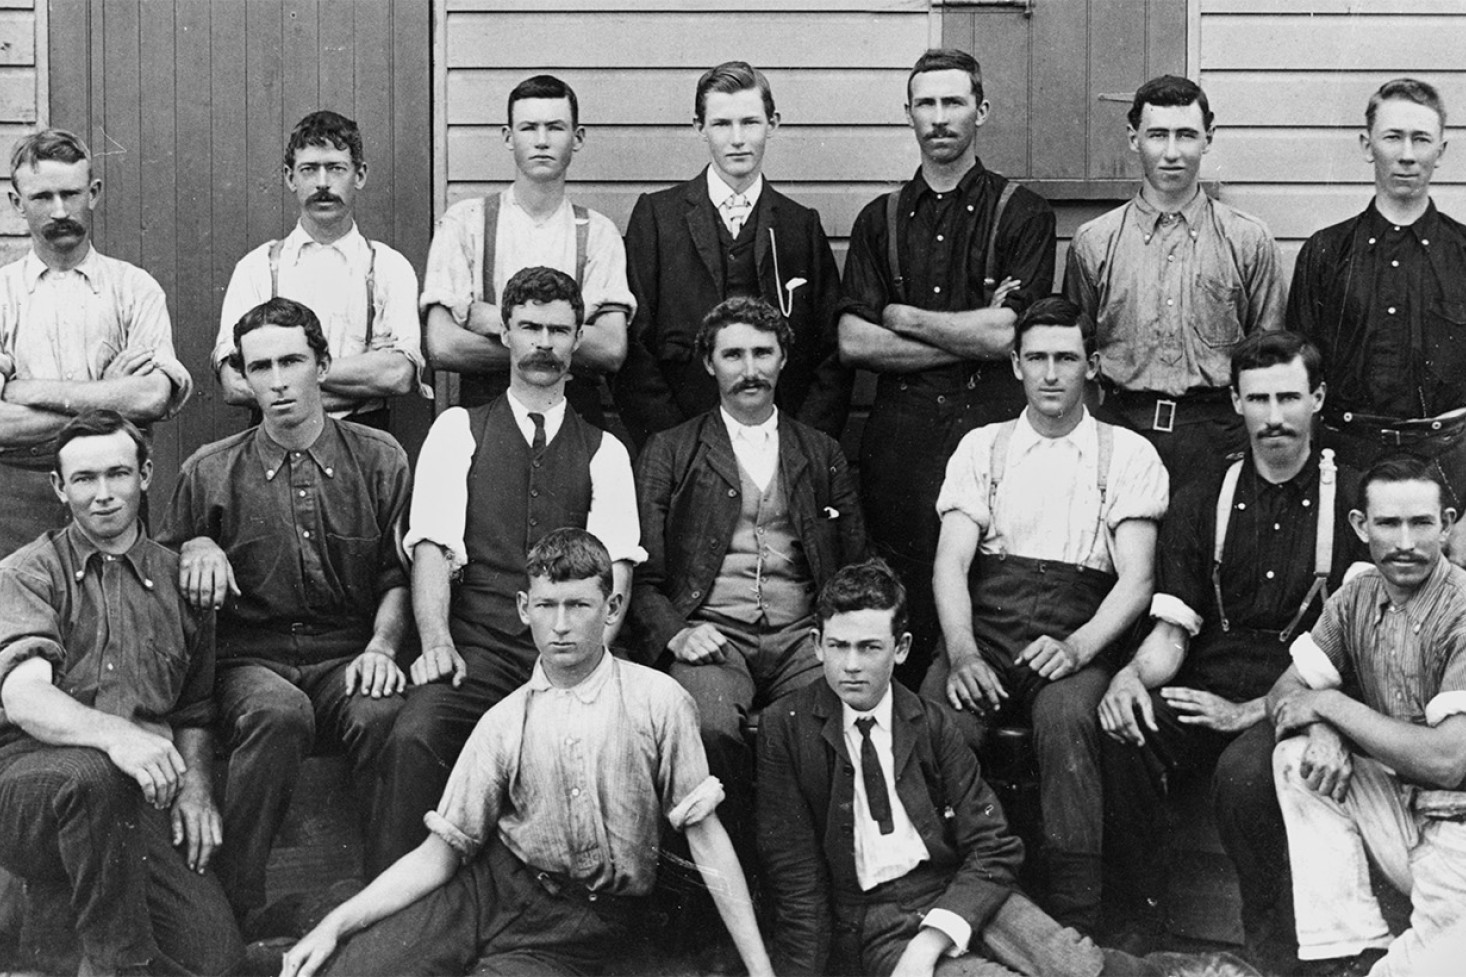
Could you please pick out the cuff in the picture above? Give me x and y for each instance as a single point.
(697, 805)
(957, 929)
(635, 555)
(1444, 706)
(1313, 665)
(465, 846)
(1173, 610)
(181, 380)
(24, 650)
(456, 552)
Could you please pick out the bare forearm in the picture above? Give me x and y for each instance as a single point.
(977, 334)
(414, 875)
(603, 343)
(1160, 655)
(721, 872)
(954, 606)
(1122, 606)
(390, 625)
(872, 347)
(139, 398)
(431, 593)
(379, 373)
(52, 716)
(1430, 755)
(21, 427)
(450, 346)
(196, 745)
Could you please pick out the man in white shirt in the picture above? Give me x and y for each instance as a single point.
(482, 242)
(1045, 560)
(363, 292)
(490, 482)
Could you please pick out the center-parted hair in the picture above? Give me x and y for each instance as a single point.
(1277, 347)
(948, 59)
(570, 554)
(1055, 310)
(730, 78)
(283, 312)
(1166, 91)
(746, 310)
(541, 284)
(1404, 466)
(327, 129)
(58, 145)
(1407, 90)
(868, 586)
(542, 86)
(98, 424)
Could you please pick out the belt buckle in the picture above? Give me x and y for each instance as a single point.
(1166, 409)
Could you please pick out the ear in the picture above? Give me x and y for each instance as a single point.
(1133, 137)
(145, 475)
(1448, 519)
(289, 176)
(579, 139)
(94, 193)
(521, 601)
(361, 175)
(903, 647)
(1319, 395)
(615, 604)
(1359, 521)
(983, 108)
(707, 364)
(323, 365)
(508, 135)
(906, 107)
(14, 199)
(58, 486)
(774, 124)
(1017, 368)
(1092, 366)
(819, 645)
(1365, 147)
(1236, 400)
(1210, 133)
(1442, 154)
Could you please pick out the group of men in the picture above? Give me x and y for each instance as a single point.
(1046, 479)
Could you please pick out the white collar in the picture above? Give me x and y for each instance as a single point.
(718, 191)
(881, 713)
(349, 244)
(756, 433)
(508, 197)
(1084, 437)
(586, 690)
(553, 415)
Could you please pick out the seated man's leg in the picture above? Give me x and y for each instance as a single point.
(73, 817)
(1436, 939)
(359, 722)
(192, 921)
(269, 726)
(1337, 914)
(934, 689)
(1245, 805)
(724, 692)
(1025, 938)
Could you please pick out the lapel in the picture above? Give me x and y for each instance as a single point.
(718, 450)
(798, 489)
(906, 717)
(700, 216)
(766, 217)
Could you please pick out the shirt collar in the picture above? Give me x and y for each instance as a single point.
(964, 185)
(718, 191)
(1433, 583)
(1299, 486)
(881, 713)
(756, 433)
(1084, 437)
(325, 452)
(1148, 216)
(587, 690)
(554, 416)
(1426, 226)
(508, 198)
(83, 550)
(88, 268)
(299, 241)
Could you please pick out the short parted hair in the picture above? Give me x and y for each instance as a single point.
(1055, 310)
(570, 554)
(1276, 347)
(542, 86)
(1168, 90)
(60, 145)
(947, 59)
(746, 310)
(283, 312)
(871, 585)
(730, 78)
(98, 424)
(541, 284)
(1403, 466)
(1408, 90)
(325, 128)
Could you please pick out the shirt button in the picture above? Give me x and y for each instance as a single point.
(1277, 525)
(937, 289)
(575, 792)
(1170, 301)
(1391, 310)
(1241, 505)
(1307, 502)
(295, 454)
(969, 208)
(533, 521)
(732, 493)
(1371, 240)
(109, 666)
(306, 533)
(147, 583)
(1394, 264)
(1170, 257)
(1270, 575)
(269, 473)
(534, 493)
(1425, 242)
(941, 237)
(302, 493)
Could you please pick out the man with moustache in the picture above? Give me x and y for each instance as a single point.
(1383, 295)
(1045, 561)
(727, 232)
(937, 274)
(1246, 558)
(1173, 280)
(106, 684)
(482, 242)
(363, 292)
(78, 331)
(745, 513)
(290, 529)
(1371, 763)
(491, 481)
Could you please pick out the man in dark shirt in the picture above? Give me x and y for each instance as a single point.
(1383, 295)
(290, 529)
(106, 677)
(933, 314)
(1192, 699)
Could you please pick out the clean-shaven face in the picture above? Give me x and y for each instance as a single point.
(859, 654)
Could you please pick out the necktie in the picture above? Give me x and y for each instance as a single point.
(538, 420)
(875, 780)
(736, 207)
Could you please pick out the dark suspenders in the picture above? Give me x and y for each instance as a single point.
(491, 231)
(990, 256)
(371, 284)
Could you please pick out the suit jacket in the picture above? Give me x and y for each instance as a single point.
(675, 269)
(806, 817)
(688, 492)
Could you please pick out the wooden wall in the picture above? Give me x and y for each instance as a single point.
(22, 93)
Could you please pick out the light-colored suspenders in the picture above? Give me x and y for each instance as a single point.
(998, 467)
(371, 284)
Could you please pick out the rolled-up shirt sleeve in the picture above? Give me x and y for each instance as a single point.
(1141, 489)
(1319, 653)
(440, 503)
(965, 488)
(452, 277)
(613, 517)
(28, 626)
(683, 782)
(605, 287)
(478, 786)
(150, 328)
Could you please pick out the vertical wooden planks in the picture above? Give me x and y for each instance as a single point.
(193, 313)
(269, 207)
(1117, 66)
(70, 65)
(371, 63)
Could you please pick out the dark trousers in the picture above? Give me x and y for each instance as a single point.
(73, 819)
(1244, 802)
(493, 917)
(425, 742)
(273, 716)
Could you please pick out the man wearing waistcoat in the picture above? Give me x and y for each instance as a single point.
(724, 233)
(495, 479)
(745, 512)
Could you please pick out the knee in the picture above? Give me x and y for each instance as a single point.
(1287, 755)
(369, 724)
(1241, 779)
(1064, 715)
(415, 734)
(278, 719)
(89, 778)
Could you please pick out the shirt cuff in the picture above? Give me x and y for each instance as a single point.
(1444, 706)
(24, 650)
(465, 846)
(697, 805)
(1174, 610)
(1313, 665)
(456, 553)
(957, 929)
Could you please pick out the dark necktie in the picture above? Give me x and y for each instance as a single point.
(538, 420)
(875, 780)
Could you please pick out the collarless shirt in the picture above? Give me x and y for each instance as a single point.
(719, 192)
(1408, 661)
(331, 280)
(1172, 292)
(1386, 305)
(70, 325)
(1048, 502)
(577, 780)
(117, 631)
(755, 446)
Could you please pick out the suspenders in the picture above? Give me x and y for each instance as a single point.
(1323, 543)
(491, 228)
(371, 284)
(990, 259)
(998, 465)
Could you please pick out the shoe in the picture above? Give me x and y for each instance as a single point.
(1118, 964)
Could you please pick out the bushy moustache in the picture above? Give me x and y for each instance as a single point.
(65, 227)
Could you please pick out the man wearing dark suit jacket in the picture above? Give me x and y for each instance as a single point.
(745, 512)
(724, 233)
